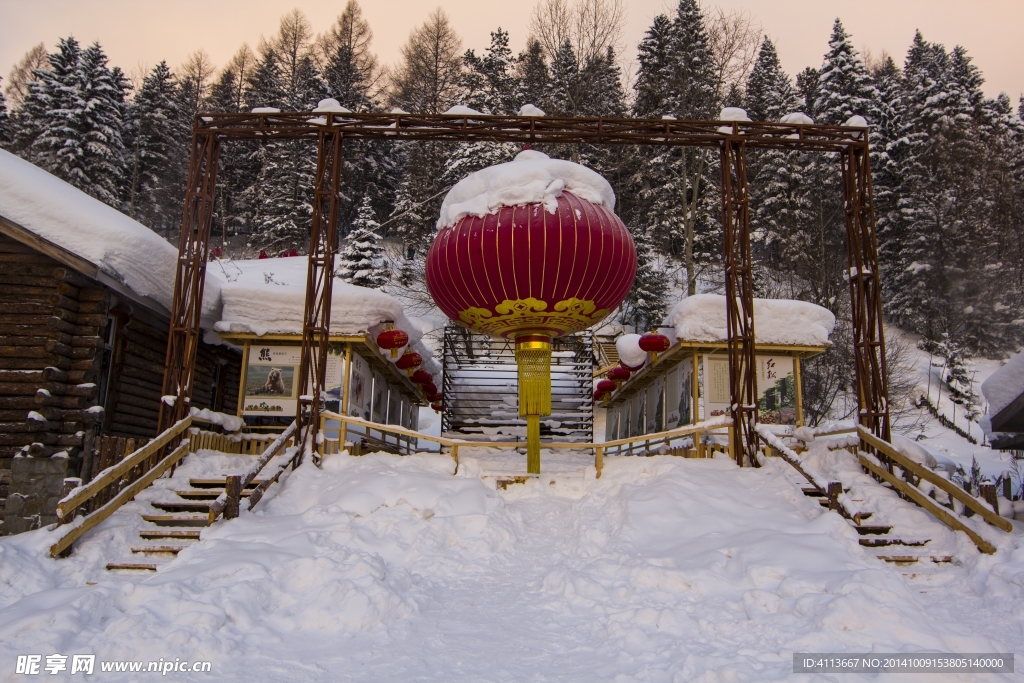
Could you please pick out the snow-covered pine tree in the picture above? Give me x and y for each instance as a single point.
(153, 199)
(49, 123)
(651, 88)
(534, 77)
(646, 304)
(565, 91)
(5, 121)
(845, 87)
(807, 90)
(362, 261)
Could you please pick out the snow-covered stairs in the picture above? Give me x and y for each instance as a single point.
(175, 525)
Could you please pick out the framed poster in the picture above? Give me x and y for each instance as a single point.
(379, 408)
(360, 388)
(776, 390)
(717, 394)
(270, 380)
(672, 397)
(636, 417)
(394, 406)
(683, 395)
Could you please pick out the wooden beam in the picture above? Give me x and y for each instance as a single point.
(924, 473)
(45, 246)
(927, 503)
(117, 501)
(242, 378)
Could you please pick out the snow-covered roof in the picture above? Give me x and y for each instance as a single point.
(776, 321)
(123, 250)
(1004, 385)
(531, 178)
(267, 296)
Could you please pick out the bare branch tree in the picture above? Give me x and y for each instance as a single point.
(353, 31)
(427, 80)
(590, 26)
(21, 75)
(734, 38)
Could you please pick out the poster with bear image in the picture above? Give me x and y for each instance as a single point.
(270, 380)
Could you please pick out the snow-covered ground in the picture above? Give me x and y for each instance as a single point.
(386, 568)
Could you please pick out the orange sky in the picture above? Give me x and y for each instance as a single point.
(141, 32)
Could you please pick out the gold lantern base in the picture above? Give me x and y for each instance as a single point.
(533, 358)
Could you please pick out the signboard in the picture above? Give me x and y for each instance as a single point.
(655, 406)
(683, 393)
(380, 397)
(776, 388)
(270, 380)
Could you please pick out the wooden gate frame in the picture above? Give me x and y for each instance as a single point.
(732, 138)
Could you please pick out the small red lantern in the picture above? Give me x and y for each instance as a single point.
(422, 377)
(429, 389)
(606, 386)
(654, 342)
(435, 398)
(619, 374)
(409, 360)
(392, 340)
(631, 368)
(437, 407)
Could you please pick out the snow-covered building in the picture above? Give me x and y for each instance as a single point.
(84, 316)
(1004, 391)
(667, 392)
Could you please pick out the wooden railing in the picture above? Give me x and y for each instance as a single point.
(118, 484)
(227, 503)
(241, 444)
(665, 438)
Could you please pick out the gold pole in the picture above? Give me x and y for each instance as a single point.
(799, 392)
(533, 358)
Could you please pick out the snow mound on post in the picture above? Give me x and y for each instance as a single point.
(532, 178)
(776, 321)
(63, 215)
(630, 353)
(1004, 385)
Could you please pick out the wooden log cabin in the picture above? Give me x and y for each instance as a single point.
(83, 335)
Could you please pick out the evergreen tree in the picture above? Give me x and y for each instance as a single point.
(5, 122)
(807, 89)
(362, 261)
(49, 113)
(647, 302)
(154, 198)
(534, 78)
(651, 88)
(490, 82)
(844, 85)
(769, 95)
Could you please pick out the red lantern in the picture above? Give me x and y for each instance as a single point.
(409, 360)
(654, 342)
(429, 389)
(530, 274)
(435, 398)
(619, 374)
(422, 377)
(392, 340)
(437, 407)
(631, 368)
(606, 386)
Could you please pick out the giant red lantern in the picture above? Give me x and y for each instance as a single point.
(530, 250)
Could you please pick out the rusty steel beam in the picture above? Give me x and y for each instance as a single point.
(865, 293)
(189, 278)
(532, 129)
(316, 320)
(739, 300)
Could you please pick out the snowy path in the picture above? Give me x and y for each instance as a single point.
(382, 568)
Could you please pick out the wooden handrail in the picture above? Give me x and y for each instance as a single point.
(84, 524)
(924, 473)
(74, 499)
(218, 505)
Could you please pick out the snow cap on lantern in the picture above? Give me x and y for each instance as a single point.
(530, 250)
(630, 354)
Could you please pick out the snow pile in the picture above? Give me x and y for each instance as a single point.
(387, 568)
(702, 317)
(267, 296)
(330, 105)
(124, 249)
(797, 118)
(532, 178)
(630, 353)
(733, 114)
(1004, 385)
(230, 423)
(462, 110)
(531, 110)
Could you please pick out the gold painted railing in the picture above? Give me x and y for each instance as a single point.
(656, 441)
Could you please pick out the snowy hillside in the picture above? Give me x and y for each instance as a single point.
(388, 569)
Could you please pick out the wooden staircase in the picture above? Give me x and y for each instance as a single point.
(176, 524)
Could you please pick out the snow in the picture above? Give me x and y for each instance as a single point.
(462, 110)
(702, 317)
(733, 114)
(397, 110)
(532, 178)
(856, 121)
(120, 247)
(267, 296)
(630, 353)
(1004, 385)
(330, 105)
(797, 118)
(531, 110)
(390, 568)
(266, 110)
(230, 423)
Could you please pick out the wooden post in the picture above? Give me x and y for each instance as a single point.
(599, 460)
(242, 379)
(698, 444)
(321, 447)
(732, 443)
(233, 490)
(835, 489)
(799, 392)
(1008, 488)
(988, 494)
(455, 455)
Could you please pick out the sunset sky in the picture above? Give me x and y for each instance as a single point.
(139, 33)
